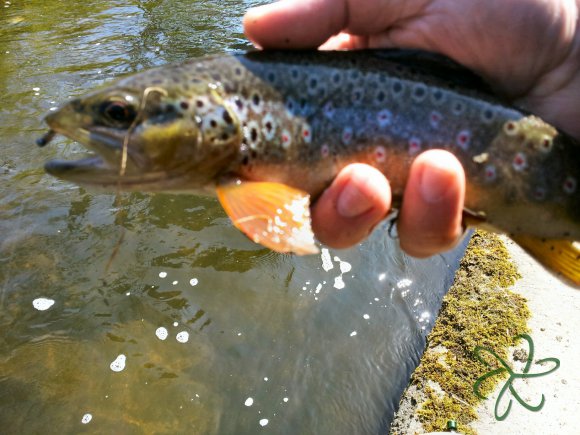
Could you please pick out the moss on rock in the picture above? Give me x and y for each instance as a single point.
(478, 310)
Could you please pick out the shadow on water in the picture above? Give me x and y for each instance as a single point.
(219, 335)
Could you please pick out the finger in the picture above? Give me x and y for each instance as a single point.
(430, 216)
(295, 24)
(357, 200)
(345, 41)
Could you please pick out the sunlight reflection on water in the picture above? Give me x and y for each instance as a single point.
(191, 320)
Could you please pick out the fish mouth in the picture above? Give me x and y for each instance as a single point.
(96, 172)
(104, 169)
(101, 168)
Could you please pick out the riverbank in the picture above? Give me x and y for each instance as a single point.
(499, 292)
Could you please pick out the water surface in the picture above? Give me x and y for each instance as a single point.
(252, 340)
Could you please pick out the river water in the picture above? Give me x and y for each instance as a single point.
(192, 328)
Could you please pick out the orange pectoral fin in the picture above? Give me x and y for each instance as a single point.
(560, 256)
(272, 214)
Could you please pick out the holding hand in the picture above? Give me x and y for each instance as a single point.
(529, 50)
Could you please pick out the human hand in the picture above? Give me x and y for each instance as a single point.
(529, 50)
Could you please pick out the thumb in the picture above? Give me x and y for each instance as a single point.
(295, 24)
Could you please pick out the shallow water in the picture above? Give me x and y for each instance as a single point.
(254, 340)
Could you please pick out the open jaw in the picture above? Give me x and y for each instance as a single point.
(101, 169)
(104, 169)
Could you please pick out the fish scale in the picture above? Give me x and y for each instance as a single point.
(290, 121)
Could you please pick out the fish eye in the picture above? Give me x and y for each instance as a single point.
(118, 112)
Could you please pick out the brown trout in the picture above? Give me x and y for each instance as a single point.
(268, 131)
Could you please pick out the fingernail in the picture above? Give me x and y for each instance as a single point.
(433, 185)
(351, 202)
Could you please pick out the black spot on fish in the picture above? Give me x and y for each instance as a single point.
(419, 92)
(268, 126)
(313, 83)
(238, 71)
(227, 117)
(256, 99)
(213, 123)
(254, 134)
(458, 107)
(199, 103)
(239, 103)
(271, 77)
(184, 105)
(245, 160)
(397, 87)
(224, 136)
(437, 95)
(381, 96)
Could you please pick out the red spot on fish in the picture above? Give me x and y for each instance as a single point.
(490, 173)
(570, 185)
(540, 194)
(520, 162)
(286, 138)
(546, 144)
(435, 119)
(384, 117)
(414, 145)
(347, 135)
(380, 154)
(307, 133)
(463, 139)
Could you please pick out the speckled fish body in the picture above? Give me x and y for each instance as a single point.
(297, 118)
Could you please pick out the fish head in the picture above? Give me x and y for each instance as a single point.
(146, 137)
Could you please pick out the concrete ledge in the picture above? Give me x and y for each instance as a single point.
(480, 310)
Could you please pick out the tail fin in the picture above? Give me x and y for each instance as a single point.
(560, 256)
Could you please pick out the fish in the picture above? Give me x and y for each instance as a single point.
(267, 132)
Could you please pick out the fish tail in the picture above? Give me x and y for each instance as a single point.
(559, 256)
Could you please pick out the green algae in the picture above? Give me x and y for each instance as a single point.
(478, 310)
